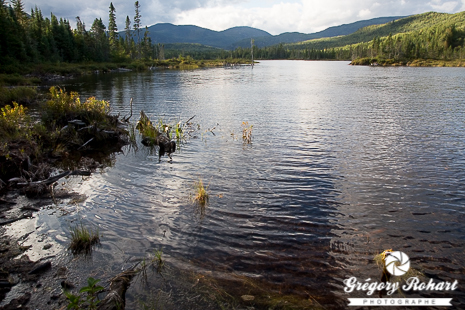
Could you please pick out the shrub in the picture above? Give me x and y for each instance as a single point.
(14, 120)
(21, 94)
(63, 107)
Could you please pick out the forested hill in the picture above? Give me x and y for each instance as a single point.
(294, 37)
(423, 39)
(169, 33)
(410, 24)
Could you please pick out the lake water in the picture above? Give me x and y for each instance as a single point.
(345, 162)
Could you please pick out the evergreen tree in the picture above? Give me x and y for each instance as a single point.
(128, 36)
(136, 26)
(100, 41)
(112, 29)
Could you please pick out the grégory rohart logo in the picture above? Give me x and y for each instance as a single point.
(397, 263)
(396, 266)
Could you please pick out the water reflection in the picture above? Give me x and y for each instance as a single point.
(345, 162)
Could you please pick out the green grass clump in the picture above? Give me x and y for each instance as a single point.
(83, 239)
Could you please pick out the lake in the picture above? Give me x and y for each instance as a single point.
(345, 162)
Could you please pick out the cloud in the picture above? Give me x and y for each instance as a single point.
(364, 13)
(274, 16)
(448, 6)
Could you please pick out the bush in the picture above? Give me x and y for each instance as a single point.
(13, 120)
(19, 94)
(63, 107)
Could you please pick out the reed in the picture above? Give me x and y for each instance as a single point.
(201, 193)
(247, 132)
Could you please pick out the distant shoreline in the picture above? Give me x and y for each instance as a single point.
(407, 63)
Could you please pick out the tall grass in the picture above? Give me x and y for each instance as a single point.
(83, 239)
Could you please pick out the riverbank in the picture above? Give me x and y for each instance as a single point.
(407, 63)
(69, 136)
(34, 74)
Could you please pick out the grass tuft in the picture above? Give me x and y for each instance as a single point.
(83, 239)
(201, 194)
(247, 132)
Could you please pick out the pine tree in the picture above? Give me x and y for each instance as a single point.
(101, 47)
(136, 25)
(128, 36)
(112, 29)
(18, 8)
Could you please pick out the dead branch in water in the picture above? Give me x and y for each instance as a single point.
(127, 118)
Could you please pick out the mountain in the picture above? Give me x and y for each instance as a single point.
(168, 33)
(232, 38)
(294, 37)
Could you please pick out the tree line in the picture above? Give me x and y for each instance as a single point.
(442, 42)
(33, 38)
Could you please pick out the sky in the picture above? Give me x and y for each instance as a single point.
(273, 16)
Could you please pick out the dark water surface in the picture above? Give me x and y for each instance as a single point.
(345, 163)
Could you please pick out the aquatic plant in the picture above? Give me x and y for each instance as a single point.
(201, 194)
(147, 129)
(247, 132)
(89, 302)
(83, 239)
(158, 260)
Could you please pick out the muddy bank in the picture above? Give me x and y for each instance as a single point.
(26, 283)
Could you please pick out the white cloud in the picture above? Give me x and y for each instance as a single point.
(441, 6)
(364, 13)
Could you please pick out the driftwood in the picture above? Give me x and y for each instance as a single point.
(116, 298)
(187, 122)
(56, 178)
(15, 219)
(90, 140)
(151, 136)
(41, 268)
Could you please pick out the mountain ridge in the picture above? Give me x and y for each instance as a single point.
(239, 36)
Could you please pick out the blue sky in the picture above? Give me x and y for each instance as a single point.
(274, 16)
